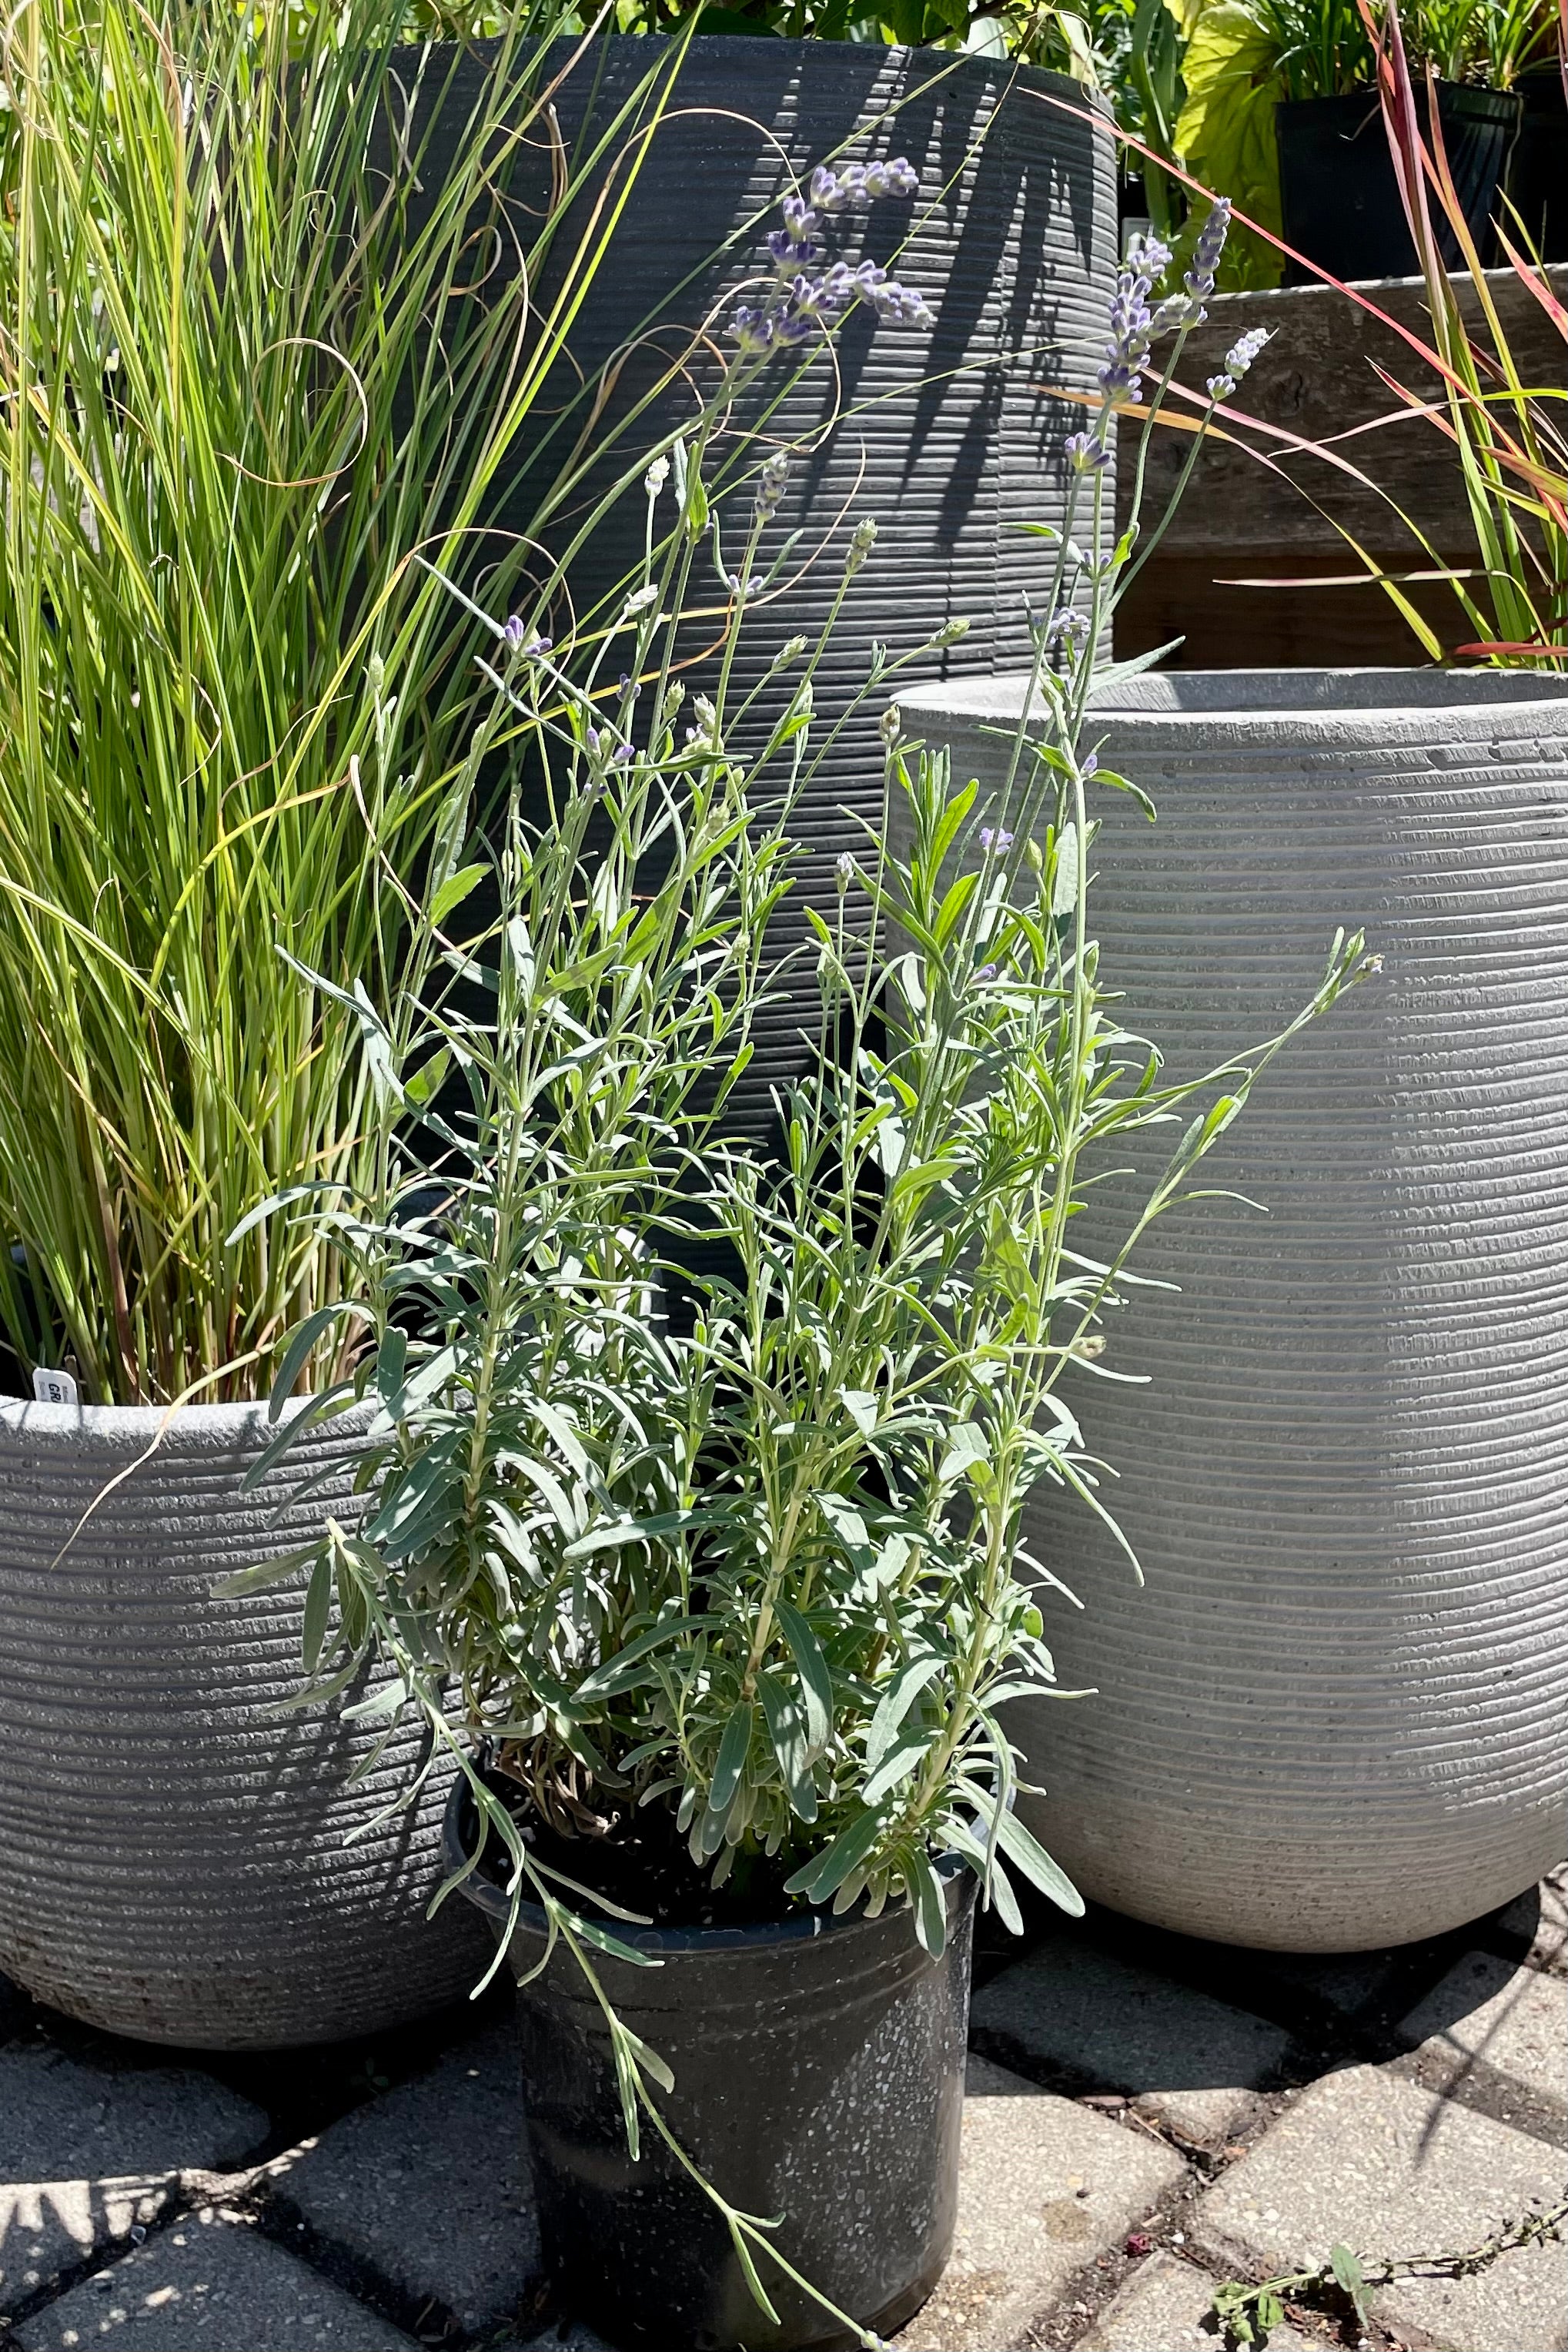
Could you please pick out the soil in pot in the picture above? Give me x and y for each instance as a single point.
(1339, 198)
(818, 2068)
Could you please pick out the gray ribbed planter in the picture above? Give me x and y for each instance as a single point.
(1334, 1718)
(172, 1864)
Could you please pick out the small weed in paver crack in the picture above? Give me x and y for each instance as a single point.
(1247, 2314)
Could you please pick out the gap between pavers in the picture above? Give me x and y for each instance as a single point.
(209, 2284)
(1162, 2308)
(428, 2185)
(1189, 2060)
(1044, 2188)
(89, 2153)
(1369, 2158)
(1497, 2036)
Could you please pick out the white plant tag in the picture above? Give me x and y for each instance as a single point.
(53, 1388)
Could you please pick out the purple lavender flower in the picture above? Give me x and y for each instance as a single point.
(897, 177)
(995, 837)
(1132, 324)
(1238, 360)
(813, 296)
(525, 643)
(1200, 272)
(835, 191)
(1067, 628)
(1084, 454)
(794, 247)
(1245, 350)
(754, 329)
(770, 484)
(1148, 256)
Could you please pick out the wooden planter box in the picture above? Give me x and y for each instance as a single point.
(1241, 524)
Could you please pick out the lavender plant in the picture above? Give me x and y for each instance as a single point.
(699, 1471)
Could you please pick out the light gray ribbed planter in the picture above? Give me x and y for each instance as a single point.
(172, 1862)
(1336, 1716)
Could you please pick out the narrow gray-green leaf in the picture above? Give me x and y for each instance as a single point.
(930, 1907)
(896, 1702)
(733, 1751)
(816, 1683)
(786, 1717)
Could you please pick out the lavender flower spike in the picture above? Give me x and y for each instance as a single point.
(859, 184)
(1245, 350)
(1132, 324)
(1084, 454)
(525, 643)
(995, 837)
(1238, 360)
(753, 330)
(1206, 253)
(770, 484)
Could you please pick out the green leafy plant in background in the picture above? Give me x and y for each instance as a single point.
(245, 391)
(1235, 60)
(701, 1468)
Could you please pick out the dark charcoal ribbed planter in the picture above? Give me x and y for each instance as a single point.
(948, 438)
(1339, 198)
(173, 1856)
(819, 2071)
(1333, 1718)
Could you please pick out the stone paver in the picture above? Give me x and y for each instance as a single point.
(572, 2339)
(1494, 2029)
(1046, 2186)
(1541, 1918)
(430, 2186)
(87, 2154)
(1190, 2060)
(215, 2286)
(1372, 2160)
(1161, 2308)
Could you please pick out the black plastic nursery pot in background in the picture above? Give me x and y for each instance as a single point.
(945, 435)
(1339, 198)
(1538, 170)
(819, 2072)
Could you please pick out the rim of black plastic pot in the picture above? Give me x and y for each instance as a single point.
(496, 1905)
(1479, 100)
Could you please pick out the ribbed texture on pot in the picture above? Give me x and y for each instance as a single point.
(1334, 1718)
(946, 437)
(173, 1856)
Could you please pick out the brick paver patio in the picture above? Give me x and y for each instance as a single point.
(1145, 2115)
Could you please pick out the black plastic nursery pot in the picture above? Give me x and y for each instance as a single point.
(1538, 170)
(1339, 198)
(819, 2069)
(946, 436)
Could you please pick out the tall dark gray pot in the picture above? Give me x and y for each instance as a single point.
(948, 435)
(819, 2069)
